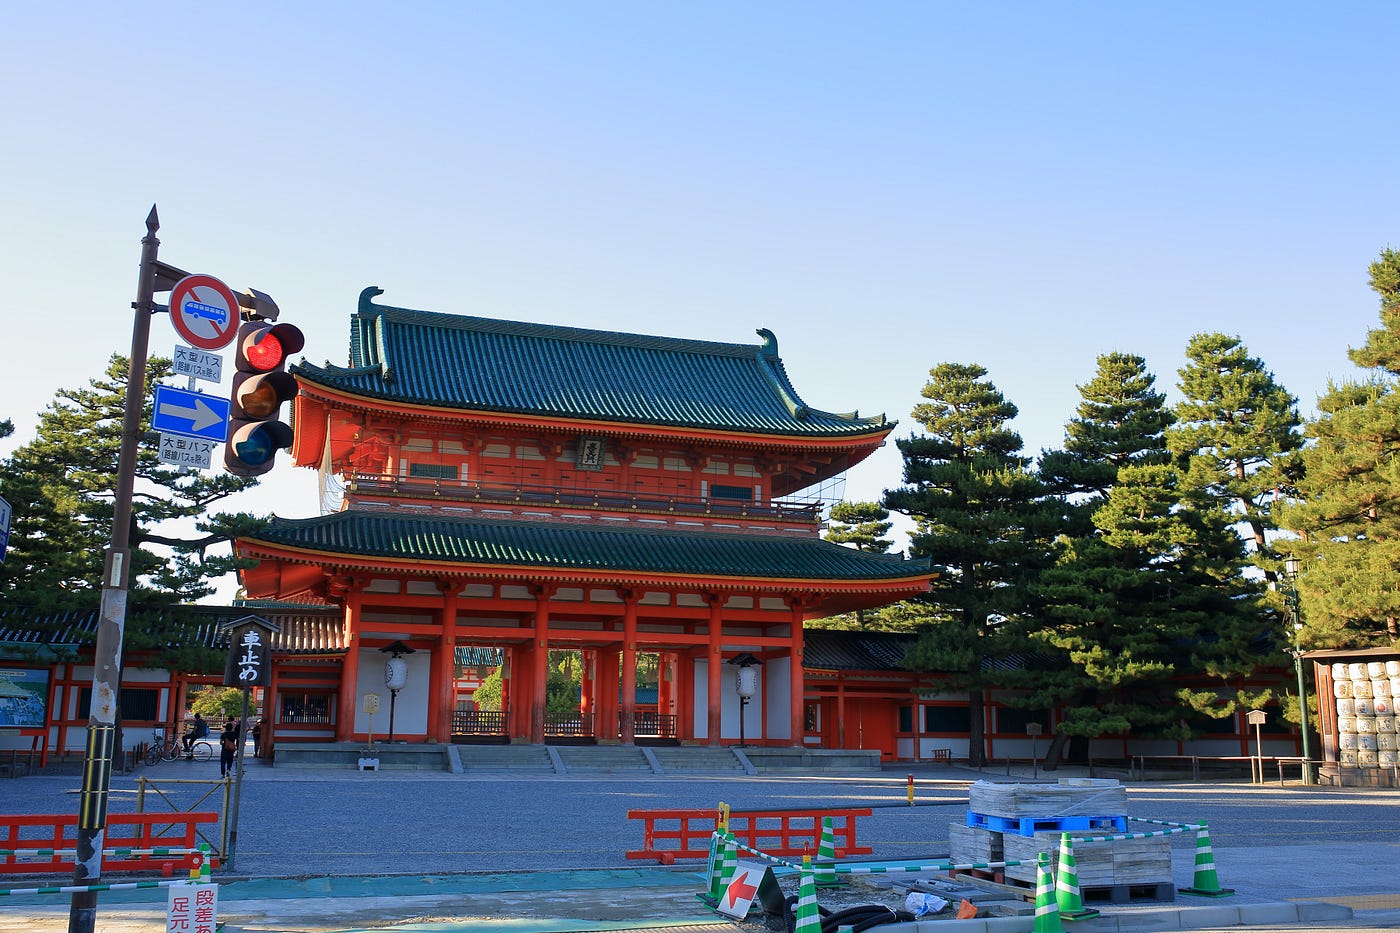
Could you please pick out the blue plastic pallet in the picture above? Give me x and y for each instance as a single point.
(1030, 825)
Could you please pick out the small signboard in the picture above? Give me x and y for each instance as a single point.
(189, 452)
(194, 414)
(249, 653)
(192, 908)
(204, 311)
(198, 364)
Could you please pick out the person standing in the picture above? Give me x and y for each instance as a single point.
(228, 744)
(256, 733)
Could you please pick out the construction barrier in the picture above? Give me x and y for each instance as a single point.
(35, 843)
(199, 874)
(668, 835)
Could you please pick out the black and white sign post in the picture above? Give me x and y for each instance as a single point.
(249, 665)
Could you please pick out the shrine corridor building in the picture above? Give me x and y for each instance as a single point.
(513, 489)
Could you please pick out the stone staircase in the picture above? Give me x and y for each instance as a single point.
(505, 759)
(609, 759)
(675, 759)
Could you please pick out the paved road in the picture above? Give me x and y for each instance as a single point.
(1271, 843)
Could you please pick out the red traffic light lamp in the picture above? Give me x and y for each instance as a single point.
(260, 386)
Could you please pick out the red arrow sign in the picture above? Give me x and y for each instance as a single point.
(739, 893)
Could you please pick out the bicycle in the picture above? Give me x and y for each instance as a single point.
(168, 748)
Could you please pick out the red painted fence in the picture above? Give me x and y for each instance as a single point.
(43, 831)
(668, 835)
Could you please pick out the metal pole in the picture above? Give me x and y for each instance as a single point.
(116, 564)
(237, 781)
(1302, 705)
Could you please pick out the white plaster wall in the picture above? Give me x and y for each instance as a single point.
(411, 708)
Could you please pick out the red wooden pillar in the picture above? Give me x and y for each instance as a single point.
(588, 688)
(539, 666)
(347, 700)
(629, 670)
(714, 657)
(797, 680)
(442, 682)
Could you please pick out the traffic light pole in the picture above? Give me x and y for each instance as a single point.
(116, 567)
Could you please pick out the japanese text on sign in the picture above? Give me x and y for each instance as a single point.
(200, 364)
(192, 908)
(250, 664)
(186, 451)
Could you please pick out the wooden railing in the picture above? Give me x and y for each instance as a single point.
(493, 722)
(603, 500)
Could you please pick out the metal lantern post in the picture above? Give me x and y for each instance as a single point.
(746, 683)
(1291, 567)
(395, 677)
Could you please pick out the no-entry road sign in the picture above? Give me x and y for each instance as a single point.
(204, 312)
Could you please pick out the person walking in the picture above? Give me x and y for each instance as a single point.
(228, 744)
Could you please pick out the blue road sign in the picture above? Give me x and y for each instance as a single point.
(193, 414)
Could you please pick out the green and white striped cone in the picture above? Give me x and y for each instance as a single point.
(1205, 883)
(729, 863)
(826, 846)
(1047, 913)
(808, 917)
(1067, 895)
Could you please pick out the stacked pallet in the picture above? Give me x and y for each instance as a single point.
(1016, 822)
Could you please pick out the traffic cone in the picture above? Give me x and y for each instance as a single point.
(729, 864)
(826, 848)
(1067, 896)
(1047, 914)
(1205, 883)
(807, 915)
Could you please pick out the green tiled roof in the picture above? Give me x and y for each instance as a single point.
(568, 546)
(481, 364)
(302, 628)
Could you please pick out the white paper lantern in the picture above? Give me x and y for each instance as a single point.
(395, 673)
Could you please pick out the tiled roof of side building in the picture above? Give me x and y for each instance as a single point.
(301, 629)
(846, 650)
(482, 364)
(569, 546)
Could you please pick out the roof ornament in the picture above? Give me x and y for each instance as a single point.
(769, 350)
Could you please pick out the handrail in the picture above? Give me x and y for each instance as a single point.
(578, 498)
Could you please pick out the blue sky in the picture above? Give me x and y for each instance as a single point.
(886, 186)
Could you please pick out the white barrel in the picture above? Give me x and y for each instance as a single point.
(1380, 686)
(1385, 706)
(1346, 740)
(1361, 688)
(1385, 758)
(1356, 670)
(1346, 724)
(1375, 669)
(1364, 706)
(1365, 725)
(1339, 671)
(1385, 740)
(1385, 724)
(1347, 756)
(1367, 757)
(1366, 743)
(1341, 688)
(1395, 686)
(1346, 706)
(1392, 668)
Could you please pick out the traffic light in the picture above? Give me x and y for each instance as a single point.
(260, 386)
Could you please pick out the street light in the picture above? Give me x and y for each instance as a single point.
(1291, 567)
(395, 678)
(746, 683)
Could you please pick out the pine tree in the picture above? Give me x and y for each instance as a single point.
(1235, 428)
(976, 512)
(1348, 513)
(861, 524)
(61, 484)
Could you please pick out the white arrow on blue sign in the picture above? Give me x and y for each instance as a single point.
(193, 414)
